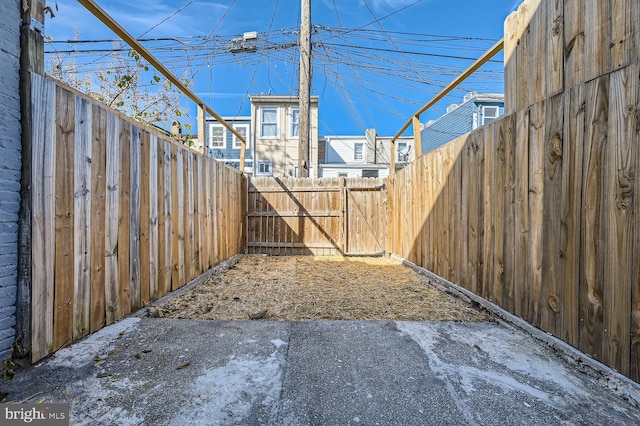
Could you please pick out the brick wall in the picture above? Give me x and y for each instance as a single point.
(10, 165)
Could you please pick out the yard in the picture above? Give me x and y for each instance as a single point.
(299, 288)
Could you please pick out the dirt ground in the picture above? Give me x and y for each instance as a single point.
(299, 288)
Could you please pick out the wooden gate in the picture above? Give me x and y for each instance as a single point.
(365, 219)
(316, 216)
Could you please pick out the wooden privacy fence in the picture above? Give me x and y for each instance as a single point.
(316, 216)
(551, 46)
(120, 216)
(539, 211)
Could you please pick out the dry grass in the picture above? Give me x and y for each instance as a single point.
(298, 288)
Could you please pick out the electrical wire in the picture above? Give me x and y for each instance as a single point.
(343, 58)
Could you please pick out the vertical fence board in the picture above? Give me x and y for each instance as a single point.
(82, 219)
(591, 292)
(206, 217)
(97, 228)
(552, 303)
(211, 185)
(634, 368)
(509, 231)
(64, 294)
(536, 207)
(112, 213)
(214, 199)
(154, 194)
(596, 38)
(487, 208)
(124, 219)
(197, 207)
(522, 57)
(176, 208)
(179, 226)
(415, 253)
(624, 18)
(145, 222)
(135, 218)
(574, 38)
(462, 237)
(620, 188)
(474, 211)
(438, 213)
(502, 132)
(43, 216)
(163, 285)
(167, 213)
(572, 147)
(188, 216)
(537, 45)
(511, 41)
(424, 210)
(521, 291)
(456, 195)
(554, 32)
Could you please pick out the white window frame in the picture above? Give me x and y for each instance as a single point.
(294, 128)
(259, 163)
(401, 157)
(223, 144)
(236, 141)
(490, 117)
(357, 157)
(261, 111)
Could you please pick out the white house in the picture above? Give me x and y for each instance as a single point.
(275, 121)
(224, 146)
(363, 156)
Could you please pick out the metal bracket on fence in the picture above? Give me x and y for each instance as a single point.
(36, 26)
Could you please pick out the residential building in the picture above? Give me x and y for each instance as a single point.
(476, 110)
(275, 135)
(222, 145)
(10, 173)
(363, 156)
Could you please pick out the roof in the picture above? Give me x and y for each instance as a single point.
(229, 118)
(471, 97)
(489, 97)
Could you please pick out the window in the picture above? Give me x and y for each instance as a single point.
(243, 129)
(357, 151)
(489, 113)
(403, 152)
(263, 168)
(216, 136)
(269, 123)
(295, 122)
(370, 173)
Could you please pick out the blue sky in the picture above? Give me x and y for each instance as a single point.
(375, 61)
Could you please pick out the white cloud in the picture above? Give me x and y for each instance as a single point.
(379, 5)
(136, 17)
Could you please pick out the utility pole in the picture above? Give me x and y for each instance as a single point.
(304, 93)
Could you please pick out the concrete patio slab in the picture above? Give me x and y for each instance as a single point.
(175, 372)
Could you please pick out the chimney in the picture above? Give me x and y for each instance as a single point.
(371, 155)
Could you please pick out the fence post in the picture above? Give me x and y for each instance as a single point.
(343, 191)
(417, 137)
(31, 60)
